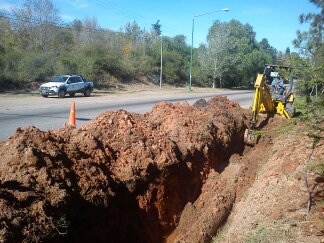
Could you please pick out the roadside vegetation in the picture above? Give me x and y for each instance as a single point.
(310, 68)
(35, 44)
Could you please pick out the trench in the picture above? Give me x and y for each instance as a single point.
(125, 221)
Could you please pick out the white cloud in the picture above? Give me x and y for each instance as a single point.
(79, 3)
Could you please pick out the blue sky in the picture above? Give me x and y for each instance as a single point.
(276, 20)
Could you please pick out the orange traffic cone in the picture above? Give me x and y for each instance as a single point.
(72, 115)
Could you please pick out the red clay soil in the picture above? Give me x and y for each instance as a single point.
(284, 202)
(179, 173)
(123, 177)
(262, 196)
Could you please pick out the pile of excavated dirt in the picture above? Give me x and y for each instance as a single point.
(122, 177)
(179, 173)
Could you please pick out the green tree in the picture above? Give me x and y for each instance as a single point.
(76, 27)
(36, 23)
(64, 41)
(175, 56)
(288, 51)
(310, 41)
(267, 48)
(157, 28)
(36, 67)
(217, 58)
(253, 64)
(133, 32)
(230, 52)
(310, 44)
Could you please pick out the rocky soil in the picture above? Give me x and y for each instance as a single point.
(179, 173)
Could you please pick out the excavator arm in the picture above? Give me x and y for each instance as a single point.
(262, 102)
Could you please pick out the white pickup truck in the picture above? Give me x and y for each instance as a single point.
(66, 84)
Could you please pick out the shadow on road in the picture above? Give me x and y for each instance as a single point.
(26, 115)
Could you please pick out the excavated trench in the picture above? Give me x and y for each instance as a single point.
(122, 177)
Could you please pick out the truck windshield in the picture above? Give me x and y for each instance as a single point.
(61, 79)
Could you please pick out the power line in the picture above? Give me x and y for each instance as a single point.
(119, 10)
(109, 5)
(60, 24)
(56, 24)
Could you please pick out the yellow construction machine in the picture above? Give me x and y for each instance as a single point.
(273, 94)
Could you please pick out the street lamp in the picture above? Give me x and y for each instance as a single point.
(192, 31)
(161, 61)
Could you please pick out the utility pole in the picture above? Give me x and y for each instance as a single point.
(161, 61)
(143, 34)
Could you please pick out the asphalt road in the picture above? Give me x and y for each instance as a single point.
(52, 113)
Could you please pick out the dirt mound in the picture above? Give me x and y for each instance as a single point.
(262, 196)
(122, 177)
(179, 173)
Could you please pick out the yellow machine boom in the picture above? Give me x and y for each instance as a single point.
(265, 102)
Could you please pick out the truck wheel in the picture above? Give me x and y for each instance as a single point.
(71, 94)
(61, 94)
(45, 96)
(87, 92)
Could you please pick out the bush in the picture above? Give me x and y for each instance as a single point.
(36, 67)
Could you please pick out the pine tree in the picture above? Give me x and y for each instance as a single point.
(157, 28)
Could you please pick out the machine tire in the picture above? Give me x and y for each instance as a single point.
(45, 96)
(87, 93)
(290, 108)
(61, 93)
(72, 94)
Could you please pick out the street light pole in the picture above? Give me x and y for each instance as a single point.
(161, 61)
(190, 68)
(192, 34)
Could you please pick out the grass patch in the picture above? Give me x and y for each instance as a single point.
(286, 128)
(306, 111)
(259, 133)
(317, 168)
(272, 232)
(220, 234)
(281, 231)
(320, 203)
